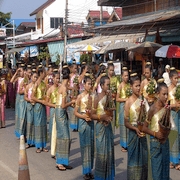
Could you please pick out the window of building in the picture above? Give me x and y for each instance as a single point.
(55, 22)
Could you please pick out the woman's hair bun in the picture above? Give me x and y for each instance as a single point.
(133, 74)
(160, 80)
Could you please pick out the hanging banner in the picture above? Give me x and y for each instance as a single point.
(24, 52)
(31, 51)
(72, 53)
(1, 61)
(34, 51)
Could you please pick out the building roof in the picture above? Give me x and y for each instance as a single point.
(75, 30)
(95, 14)
(43, 6)
(117, 13)
(26, 25)
(168, 19)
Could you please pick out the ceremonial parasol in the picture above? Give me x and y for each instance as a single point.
(145, 47)
(89, 48)
(168, 51)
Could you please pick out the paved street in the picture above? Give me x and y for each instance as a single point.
(42, 166)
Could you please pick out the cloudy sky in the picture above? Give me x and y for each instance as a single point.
(21, 9)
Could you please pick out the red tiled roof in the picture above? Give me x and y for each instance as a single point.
(75, 30)
(118, 12)
(96, 14)
(43, 6)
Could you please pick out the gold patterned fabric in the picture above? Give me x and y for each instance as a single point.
(41, 90)
(59, 99)
(154, 125)
(134, 111)
(145, 94)
(123, 92)
(53, 96)
(101, 104)
(171, 96)
(83, 104)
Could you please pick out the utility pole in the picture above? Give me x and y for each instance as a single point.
(65, 31)
(101, 15)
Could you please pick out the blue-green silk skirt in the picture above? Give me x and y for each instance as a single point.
(63, 137)
(137, 167)
(104, 163)
(86, 136)
(20, 116)
(40, 125)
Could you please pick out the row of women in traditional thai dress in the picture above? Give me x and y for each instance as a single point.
(80, 100)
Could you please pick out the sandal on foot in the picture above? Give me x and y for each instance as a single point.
(177, 167)
(27, 146)
(38, 151)
(86, 177)
(91, 176)
(124, 150)
(45, 150)
(68, 167)
(60, 167)
(54, 157)
(171, 166)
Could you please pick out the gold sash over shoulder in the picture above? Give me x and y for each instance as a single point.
(154, 124)
(134, 111)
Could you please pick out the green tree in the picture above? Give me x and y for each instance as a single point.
(5, 19)
(44, 54)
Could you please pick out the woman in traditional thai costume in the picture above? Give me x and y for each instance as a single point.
(122, 97)
(137, 166)
(74, 89)
(40, 120)
(30, 137)
(114, 83)
(175, 107)
(3, 88)
(51, 97)
(49, 82)
(104, 162)
(101, 71)
(9, 92)
(144, 84)
(20, 106)
(86, 127)
(62, 125)
(159, 151)
(84, 69)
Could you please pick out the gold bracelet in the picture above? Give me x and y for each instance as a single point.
(99, 116)
(154, 134)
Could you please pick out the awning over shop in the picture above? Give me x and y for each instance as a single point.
(15, 50)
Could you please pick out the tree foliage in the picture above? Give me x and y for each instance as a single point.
(86, 57)
(5, 18)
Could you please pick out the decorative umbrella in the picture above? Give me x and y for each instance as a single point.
(169, 51)
(89, 48)
(145, 47)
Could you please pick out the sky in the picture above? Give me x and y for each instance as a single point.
(21, 9)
